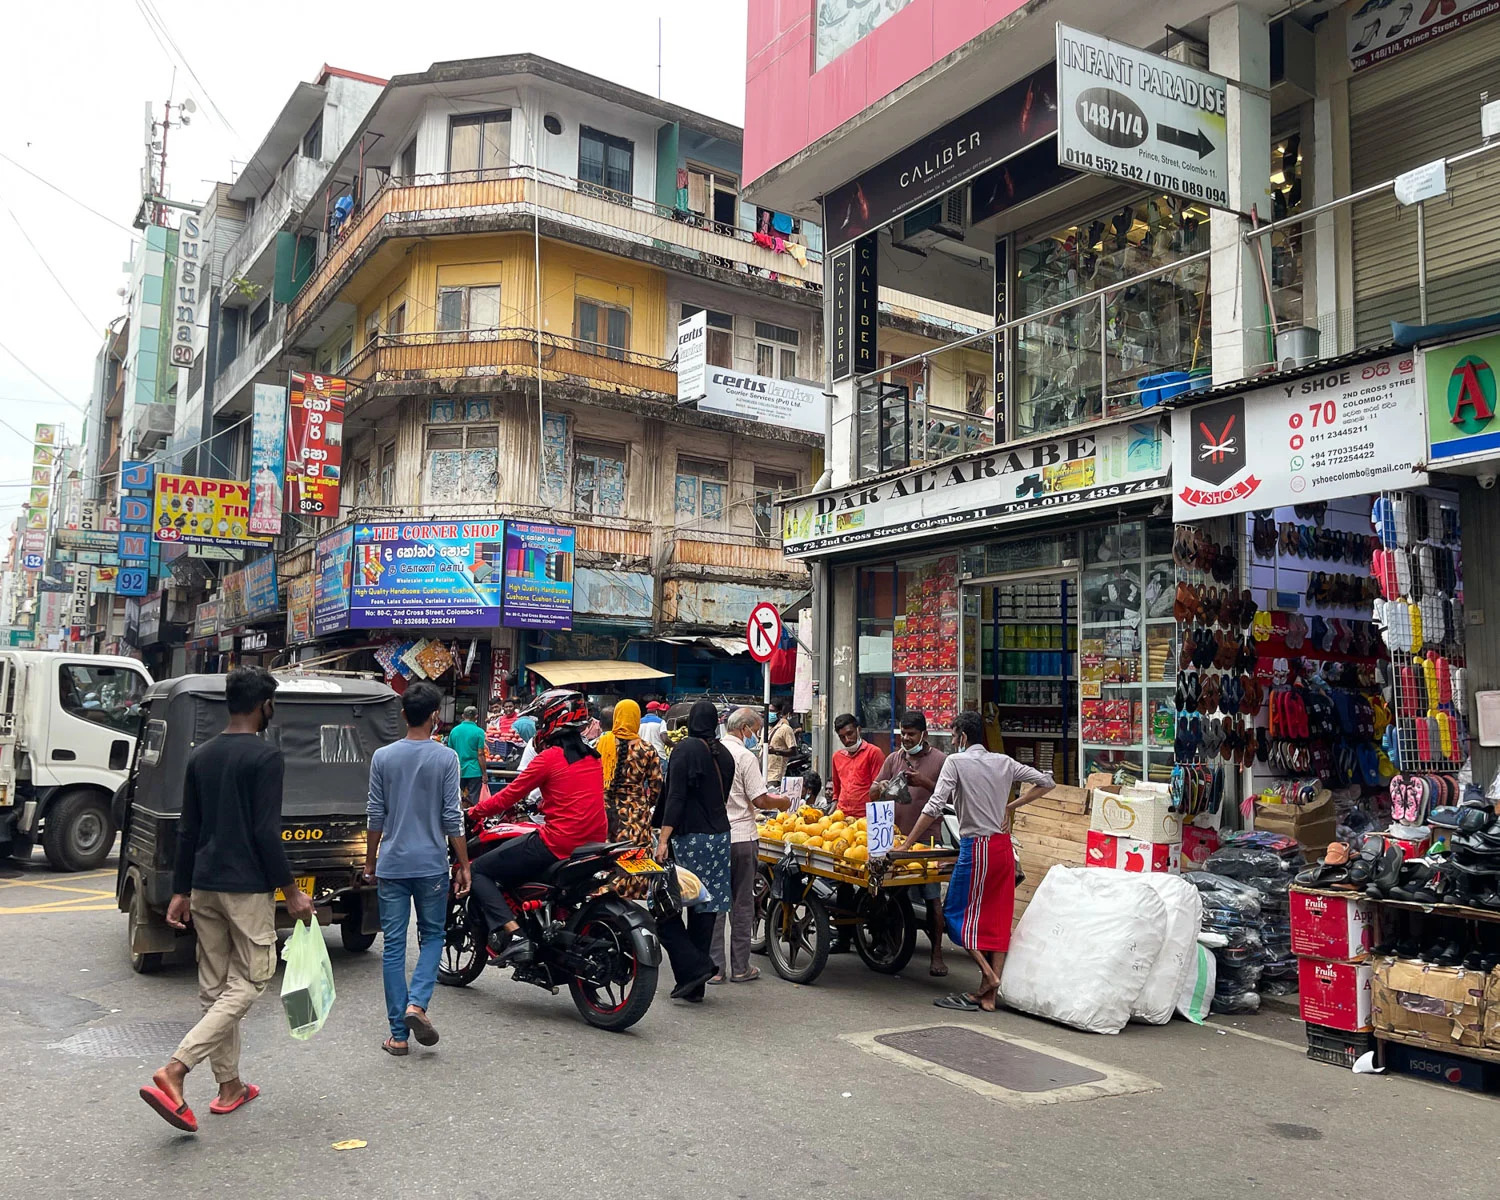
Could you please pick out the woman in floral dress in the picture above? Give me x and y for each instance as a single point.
(632, 784)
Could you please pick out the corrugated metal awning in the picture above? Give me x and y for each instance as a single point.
(561, 673)
(726, 645)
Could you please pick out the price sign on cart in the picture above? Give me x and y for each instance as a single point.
(763, 631)
(880, 823)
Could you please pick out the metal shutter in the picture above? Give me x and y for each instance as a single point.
(1419, 108)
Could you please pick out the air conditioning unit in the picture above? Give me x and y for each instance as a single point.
(943, 220)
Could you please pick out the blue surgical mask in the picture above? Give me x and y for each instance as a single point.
(751, 741)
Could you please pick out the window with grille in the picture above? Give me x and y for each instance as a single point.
(769, 485)
(604, 328)
(599, 478)
(462, 463)
(388, 474)
(775, 350)
(702, 493)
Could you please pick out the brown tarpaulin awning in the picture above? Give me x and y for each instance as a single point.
(566, 672)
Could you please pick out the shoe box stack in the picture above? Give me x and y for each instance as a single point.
(1132, 828)
(1331, 936)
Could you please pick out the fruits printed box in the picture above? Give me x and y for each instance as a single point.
(1337, 927)
(1130, 854)
(1336, 994)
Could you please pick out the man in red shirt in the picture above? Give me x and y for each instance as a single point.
(854, 767)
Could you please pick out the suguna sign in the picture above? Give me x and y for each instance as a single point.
(983, 489)
(1462, 401)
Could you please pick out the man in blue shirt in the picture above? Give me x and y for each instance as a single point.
(413, 807)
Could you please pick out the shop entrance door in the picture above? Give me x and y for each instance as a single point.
(1019, 642)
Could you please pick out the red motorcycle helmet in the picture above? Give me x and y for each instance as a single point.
(558, 710)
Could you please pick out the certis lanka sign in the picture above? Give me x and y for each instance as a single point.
(1082, 471)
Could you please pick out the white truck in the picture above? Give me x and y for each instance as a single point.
(67, 733)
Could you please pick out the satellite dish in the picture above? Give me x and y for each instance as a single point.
(188, 106)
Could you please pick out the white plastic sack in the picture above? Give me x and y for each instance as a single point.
(1158, 999)
(1198, 988)
(1084, 948)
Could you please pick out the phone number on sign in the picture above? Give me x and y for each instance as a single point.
(1087, 160)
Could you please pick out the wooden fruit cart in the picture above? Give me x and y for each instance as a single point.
(803, 896)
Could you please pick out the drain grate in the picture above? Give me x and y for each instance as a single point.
(1001, 1063)
(145, 1039)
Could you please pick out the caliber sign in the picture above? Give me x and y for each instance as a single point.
(1144, 118)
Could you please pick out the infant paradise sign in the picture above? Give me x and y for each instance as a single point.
(191, 511)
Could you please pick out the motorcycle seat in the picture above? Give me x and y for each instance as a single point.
(589, 849)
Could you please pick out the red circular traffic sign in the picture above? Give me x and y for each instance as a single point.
(763, 631)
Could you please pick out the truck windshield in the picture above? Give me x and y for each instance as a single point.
(104, 695)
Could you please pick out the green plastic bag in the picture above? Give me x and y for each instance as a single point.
(307, 992)
(1198, 989)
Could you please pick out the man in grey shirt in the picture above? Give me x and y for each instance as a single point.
(980, 905)
(413, 810)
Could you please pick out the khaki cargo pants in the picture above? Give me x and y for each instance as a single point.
(236, 959)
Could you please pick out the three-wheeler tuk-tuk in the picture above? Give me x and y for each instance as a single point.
(327, 728)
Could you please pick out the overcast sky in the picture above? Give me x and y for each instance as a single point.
(76, 78)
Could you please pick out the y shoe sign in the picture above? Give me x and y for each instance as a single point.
(763, 631)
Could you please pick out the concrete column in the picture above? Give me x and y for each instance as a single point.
(1239, 48)
(840, 455)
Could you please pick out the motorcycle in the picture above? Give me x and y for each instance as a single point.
(605, 948)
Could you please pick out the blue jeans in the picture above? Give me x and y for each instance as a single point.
(430, 895)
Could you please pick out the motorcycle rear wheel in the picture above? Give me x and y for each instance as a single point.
(464, 951)
(621, 998)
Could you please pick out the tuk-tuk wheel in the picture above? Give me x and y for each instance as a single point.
(141, 964)
(356, 941)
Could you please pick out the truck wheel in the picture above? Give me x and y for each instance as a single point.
(141, 964)
(79, 832)
(356, 941)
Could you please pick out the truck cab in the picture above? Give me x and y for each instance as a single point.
(68, 725)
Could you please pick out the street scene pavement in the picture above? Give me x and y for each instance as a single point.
(765, 1088)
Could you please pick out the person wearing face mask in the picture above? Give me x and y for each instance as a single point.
(783, 742)
(913, 769)
(747, 793)
(982, 892)
(855, 766)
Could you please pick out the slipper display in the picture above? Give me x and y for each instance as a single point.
(178, 1115)
(249, 1094)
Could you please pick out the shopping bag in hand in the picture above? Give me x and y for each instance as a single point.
(484, 793)
(307, 992)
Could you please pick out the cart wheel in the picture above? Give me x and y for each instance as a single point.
(798, 938)
(762, 898)
(886, 935)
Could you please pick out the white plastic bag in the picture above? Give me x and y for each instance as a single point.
(1198, 988)
(1158, 999)
(1084, 948)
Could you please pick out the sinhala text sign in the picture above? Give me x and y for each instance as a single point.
(1323, 437)
(421, 573)
(1138, 116)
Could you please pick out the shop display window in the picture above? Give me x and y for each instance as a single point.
(1284, 256)
(1091, 361)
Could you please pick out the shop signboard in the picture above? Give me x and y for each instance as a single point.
(1102, 467)
(856, 308)
(993, 130)
(1340, 433)
(1137, 116)
(427, 574)
(232, 599)
(314, 444)
(692, 357)
(104, 579)
(781, 402)
(192, 511)
(1376, 33)
(261, 598)
(131, 581)
(149, 623)
(299, 610)
(538, 575)
(192, 288)
(1462, 404)
(331, 582)
(206, 619)
(89, 539)
(267, 459)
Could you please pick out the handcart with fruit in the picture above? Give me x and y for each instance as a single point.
(816, 882)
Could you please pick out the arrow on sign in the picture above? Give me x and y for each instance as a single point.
(763, 631)
(1188, 140)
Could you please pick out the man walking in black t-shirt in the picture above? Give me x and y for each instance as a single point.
(230, 862)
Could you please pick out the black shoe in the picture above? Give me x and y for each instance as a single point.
(1473, 960)
(687, 988)
(1452, 954)
(498, 940)
(519, 952)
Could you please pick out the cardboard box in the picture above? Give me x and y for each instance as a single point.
(1130, 854)
(1444, 1006)
(1339, 927)
(1197, 845)
(1437, 1066)
(1492, 1010)
(1313, 824)
(1336, 994)
(1136, 813)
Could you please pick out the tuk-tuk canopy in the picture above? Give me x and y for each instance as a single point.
(327, 728)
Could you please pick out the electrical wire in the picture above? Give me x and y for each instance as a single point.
(42, 381)
(42, 259)
(154, 20)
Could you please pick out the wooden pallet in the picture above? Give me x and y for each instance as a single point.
(1051, 830)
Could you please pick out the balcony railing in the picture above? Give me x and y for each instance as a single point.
(456, 354)
(731, 551)
(529, 191)
(292, 192)
(261, 348)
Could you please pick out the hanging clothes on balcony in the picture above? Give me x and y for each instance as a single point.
(798, 252)
(763, 239)
(682, 189)
(781, 223)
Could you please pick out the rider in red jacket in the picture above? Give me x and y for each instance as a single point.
(571, 779)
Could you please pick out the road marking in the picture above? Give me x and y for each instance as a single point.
(58, 887)
(1114, 1083)
(70, 906)
(1255, 1037)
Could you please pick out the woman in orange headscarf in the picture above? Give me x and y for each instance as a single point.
(632, 784)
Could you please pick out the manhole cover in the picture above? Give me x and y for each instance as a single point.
(146, 1039)
(1001, 1063)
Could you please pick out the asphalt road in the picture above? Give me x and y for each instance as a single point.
(764, 1089)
